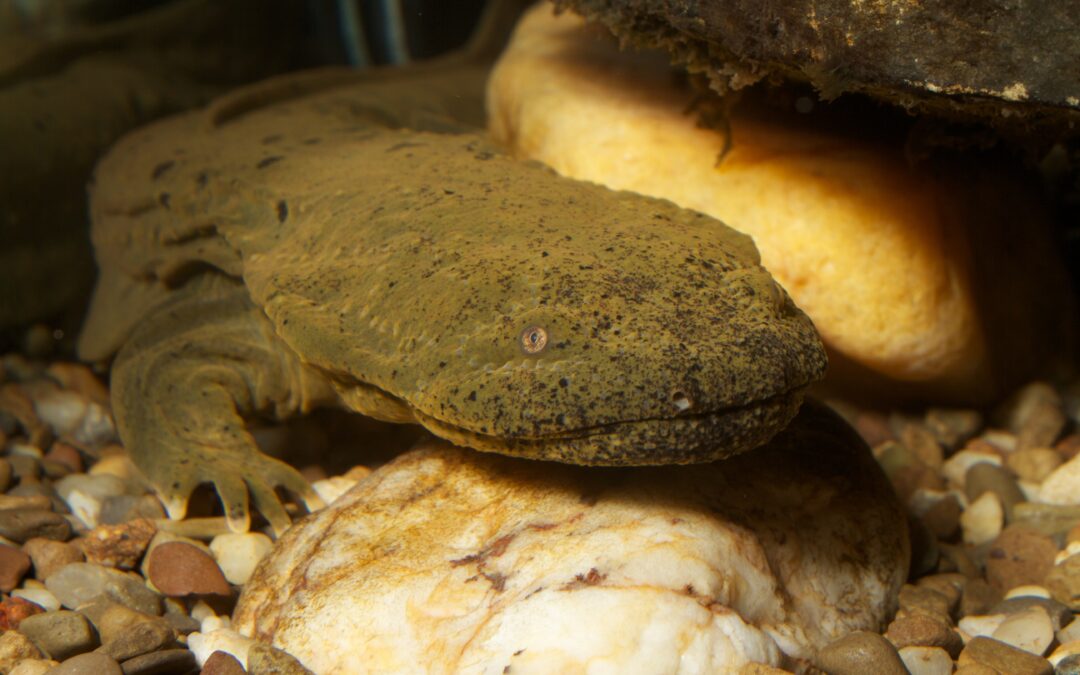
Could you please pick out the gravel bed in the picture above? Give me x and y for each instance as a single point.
(95, 579)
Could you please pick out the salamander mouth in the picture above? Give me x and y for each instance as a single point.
(682, 439)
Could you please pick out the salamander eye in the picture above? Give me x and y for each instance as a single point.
(534, 339)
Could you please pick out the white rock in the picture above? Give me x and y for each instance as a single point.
(25, 449)
(1062, 486)
(1032, 590)
(38, 596)
(1000, 438)
(1030, 630)
(332, 488)
(1070, 632)
(200, 611)
(1063, 650)
(85, 507)
(1070, 550)
(980, 624)
(956, 467)
(117, 465)
(63, 410)
(982, 521)
(225, 640)
(927, 660)
(452, 560)
(238, 554)
(97, 485)
(215, 623)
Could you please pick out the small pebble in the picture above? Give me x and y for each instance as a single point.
(1059, 614)
(142, 638)
(926, 660)
(79, 583)
(163, 662)
(983, 519)
(226, 640)
(90, 663)
(177, 569)
(978, 597)
(1060, 487)
(332, 488)
(60, 634)
(14, 647)
(926, 600)
(943, 517)
(238, 554)
(115, 621)
(1033, 464)
(48, 556)
(956, 467)
(21, 525)
(120, 546)
(14, 564)
(984, 477)
(33, 667)
(8, 502)
(14, 610)
(953, 427)
(975, 625)
(1019, 555)
(1070, 665)
(1051, 519)
(66, 455)
(1030, 630)
(859, 653)
(1069, 632)
(222, 663)
(1003, 658)
(924, 630)
(122, 508)
(266, 660)
(1035, 415)
(1063, 582)
(38, 596)
(923, 444)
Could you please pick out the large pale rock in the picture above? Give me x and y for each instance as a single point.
(450, 560)
(934, 280)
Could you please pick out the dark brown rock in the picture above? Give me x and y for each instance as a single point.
(1063, 582)
(142, 638)
(48, 556)
(14, 564)
(859, 653)
(1003, 658)
(121, 545)
(924, 630)
(266, 660)
(60, 634)
(20, 525)
(164, 662)
(222, 663)
(88, 664)
(177, 569)
(1020, 555)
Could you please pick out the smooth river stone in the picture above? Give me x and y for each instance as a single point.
(450, 560)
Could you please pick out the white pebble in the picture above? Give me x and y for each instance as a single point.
(97, 427)
(1062, 486)
(85, 507)
(62, 410)
(213, 623)
(1072, 549)
(100, 486)
(1029, 590)
(999, 438)
(119, 466)
(225, 640)
(1032, 491)
(332, 488)
(200, 611)
(982, 521)
(1030, 630)
(956, 467)
(238, 554)
(926, 660)
(38, 596)
(1065, 649)
(983, 625)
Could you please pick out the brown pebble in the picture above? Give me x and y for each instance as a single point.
(8, 502)
(113, 620)
(1020, 555)
(1063, 582)
(222, 663)
(48, 556)
(943, 518)
(925, 600)
(978, 597)
(266, 660)
(953, 427)
(1051, 519)
(67, 455)
(951, 585)
(14, 564)
(959, 560)
(164, 662)
(61, 633)
(1073, 534)
(1068, 447)
(1003, 658)
(177, 568)
(91, 663)
(859, 653)
(80, 379)
(14, 610)
(6, 474)
(907, 479)
(1035, 415)
(745, 669)
(923, 444)
(924, 630)
(975, 669)
(1033, 464)
(873, 427)
(26, 469)
(141, 638)
(20, 525)
(121, 545)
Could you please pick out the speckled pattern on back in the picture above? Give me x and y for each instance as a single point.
(420, 269)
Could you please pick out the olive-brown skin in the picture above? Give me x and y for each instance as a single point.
(291, 248)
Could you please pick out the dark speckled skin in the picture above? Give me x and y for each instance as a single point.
(294, 248)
